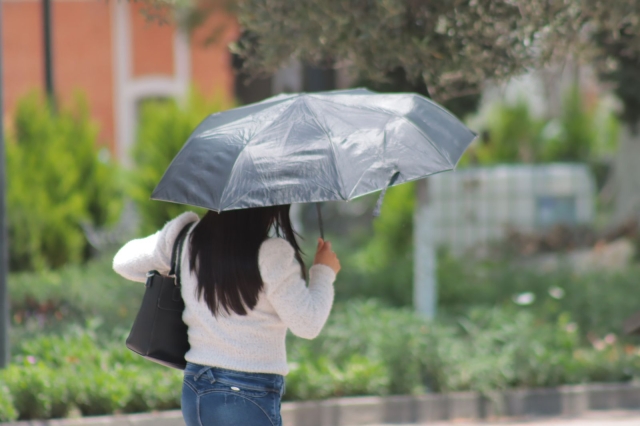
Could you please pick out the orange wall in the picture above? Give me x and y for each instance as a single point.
(211, 67)
(83, 54)
(82, 58)
(22, 50)
(152, 45)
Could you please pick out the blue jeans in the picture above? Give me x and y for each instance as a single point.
(214, 396)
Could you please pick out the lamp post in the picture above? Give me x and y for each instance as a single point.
(425, 282)
(48, 50)
(4, 293)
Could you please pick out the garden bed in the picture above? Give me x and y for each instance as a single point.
(365, 349)
(69, 360)
(564, 401)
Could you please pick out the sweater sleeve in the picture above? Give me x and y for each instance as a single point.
(140, 256)
(303, 309)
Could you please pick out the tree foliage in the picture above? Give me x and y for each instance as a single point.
(452, 46)
(614, 30)
(449, 47)
(511, 133)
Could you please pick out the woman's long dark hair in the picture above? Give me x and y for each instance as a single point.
(224, 255)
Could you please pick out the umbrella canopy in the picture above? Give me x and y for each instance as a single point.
(312, 147)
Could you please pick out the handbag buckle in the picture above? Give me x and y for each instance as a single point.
(174, 277)
(150, 275)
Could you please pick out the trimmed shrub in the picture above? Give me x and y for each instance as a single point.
(97, 376)
(64, 384)
(167, 390)
(30, 387)
(8, 412)
(51, 300)
(152, 389)
(102, 392)
(58, 179)
(318, 378)
(483, 350)
(598, 302)
(142, 395)
(365, 349)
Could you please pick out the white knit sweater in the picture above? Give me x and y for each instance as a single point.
(254, 342)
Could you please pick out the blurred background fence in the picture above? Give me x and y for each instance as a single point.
(477, 207)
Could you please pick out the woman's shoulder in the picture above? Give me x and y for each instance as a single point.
(172, 228)
(276, 260)
(276, 248)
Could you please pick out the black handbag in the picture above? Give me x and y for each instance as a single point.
(158, 332)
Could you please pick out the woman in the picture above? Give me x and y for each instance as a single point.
(242, 291)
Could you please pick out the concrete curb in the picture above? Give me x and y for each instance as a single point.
(563, 401)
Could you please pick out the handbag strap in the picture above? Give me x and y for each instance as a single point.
(176, 254)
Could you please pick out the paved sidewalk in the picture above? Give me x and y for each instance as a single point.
(609, 418)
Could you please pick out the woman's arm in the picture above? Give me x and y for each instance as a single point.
(140, 256)
(303, 309)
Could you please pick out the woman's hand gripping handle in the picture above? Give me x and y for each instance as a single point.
(326, 256)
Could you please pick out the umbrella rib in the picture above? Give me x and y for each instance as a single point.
(235, 163)
(369, 168)
(333, 152)
(434, 146)
(239, 198)
(405, 181)
(430, 101)
(357, 183)
(242, 151)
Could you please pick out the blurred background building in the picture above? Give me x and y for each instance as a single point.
(118, 58)
(115, 56)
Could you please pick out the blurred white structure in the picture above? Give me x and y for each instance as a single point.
(475, 206)
(425, 289)
(467, 209)
(626, 179)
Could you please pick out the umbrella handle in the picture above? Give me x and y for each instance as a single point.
(320, 220)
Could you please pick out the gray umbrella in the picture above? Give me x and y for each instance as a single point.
(312, 147)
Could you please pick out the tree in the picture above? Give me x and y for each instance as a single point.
(451, 47)
(445, 49)
(442, 49)
(448, 48)
(615, 31)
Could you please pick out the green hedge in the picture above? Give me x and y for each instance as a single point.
(49, 301)
(486, 349)
(365, 349)
(53, 376)
(8, 410)
(598, 301)
(58, 179)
